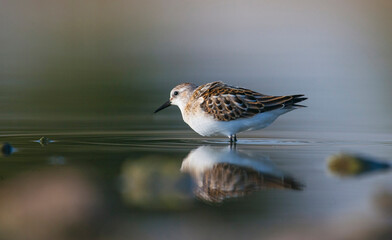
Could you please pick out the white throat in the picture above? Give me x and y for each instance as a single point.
(181, 105)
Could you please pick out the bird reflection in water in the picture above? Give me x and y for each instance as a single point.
(223, 173)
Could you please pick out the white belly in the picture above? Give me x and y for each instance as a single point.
(207, 126)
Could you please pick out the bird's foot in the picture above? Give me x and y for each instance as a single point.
(233, 140)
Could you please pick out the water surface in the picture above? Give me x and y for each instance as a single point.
(175, 177)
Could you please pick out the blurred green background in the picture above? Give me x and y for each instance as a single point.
(65, 63)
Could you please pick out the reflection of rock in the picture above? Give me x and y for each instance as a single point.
(223, 173)
(154, 182)
(343, 164)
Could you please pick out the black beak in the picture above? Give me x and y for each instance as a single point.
(165, 105)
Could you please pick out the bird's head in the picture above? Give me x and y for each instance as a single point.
(179, 96)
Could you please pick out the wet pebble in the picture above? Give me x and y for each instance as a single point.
(44, 141)
(344, 164)
(6, 149)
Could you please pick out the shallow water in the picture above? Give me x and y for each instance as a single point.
(142, 173)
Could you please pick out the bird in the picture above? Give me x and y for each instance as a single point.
(219, 109)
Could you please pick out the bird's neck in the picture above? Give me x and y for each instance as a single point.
(184, 102)
(182, 107)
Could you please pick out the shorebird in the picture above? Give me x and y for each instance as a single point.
(220, 109)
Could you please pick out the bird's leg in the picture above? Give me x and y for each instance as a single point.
(233, 140)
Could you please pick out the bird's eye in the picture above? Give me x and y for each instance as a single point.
(175, 93)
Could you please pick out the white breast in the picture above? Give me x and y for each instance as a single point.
(206, 125)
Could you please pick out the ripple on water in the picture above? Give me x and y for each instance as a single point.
(179, 139)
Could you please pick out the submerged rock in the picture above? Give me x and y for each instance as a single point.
(154, 182)
(7, 149)
(344, 164)
(44, 141)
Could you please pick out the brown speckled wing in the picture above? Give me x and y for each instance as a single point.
(228, 103)
(225, 180)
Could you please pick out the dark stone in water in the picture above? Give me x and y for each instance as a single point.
(6, 149)
(344, 164)
(44, 141)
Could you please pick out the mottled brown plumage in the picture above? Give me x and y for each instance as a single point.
(220, 109)
(222, 173)
(226, 103)
(225, 180)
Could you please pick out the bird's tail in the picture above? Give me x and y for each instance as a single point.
(298, 98)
